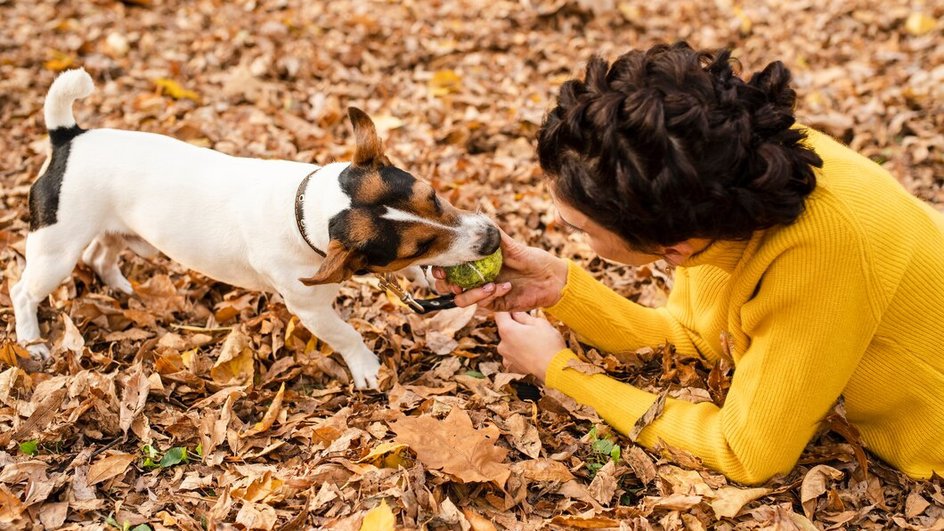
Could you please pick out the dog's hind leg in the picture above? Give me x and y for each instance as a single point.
(51, 254)
(102, 256)
(141, 247)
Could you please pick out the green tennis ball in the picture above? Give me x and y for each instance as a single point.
(474, 274)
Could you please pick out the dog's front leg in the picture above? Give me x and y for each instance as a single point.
(316, 313)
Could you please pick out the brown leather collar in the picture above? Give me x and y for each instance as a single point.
(299, 220)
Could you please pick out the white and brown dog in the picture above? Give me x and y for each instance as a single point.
(251, 223)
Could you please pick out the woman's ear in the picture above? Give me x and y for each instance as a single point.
(340, 264)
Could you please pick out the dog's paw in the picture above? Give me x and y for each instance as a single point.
(39, 352)
(39, 358)
(364, 372)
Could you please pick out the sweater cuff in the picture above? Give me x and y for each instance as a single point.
(620, 404)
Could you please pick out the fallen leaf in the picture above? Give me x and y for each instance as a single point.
(444, 82)
(604, 484)
(919, 23)
(10, 506)
(235, 365)
(175, 90)
(271, 414)
(109, 466)
(454, 446)
(380, 518)
(543, 469)
(814, 486)
(524, 436)
(585, 523)
(728, 501)
(650, 415)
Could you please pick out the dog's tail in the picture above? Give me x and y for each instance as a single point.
(68, 87)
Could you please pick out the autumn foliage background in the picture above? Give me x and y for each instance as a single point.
(194, 405)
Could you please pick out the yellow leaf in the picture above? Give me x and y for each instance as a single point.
(386, 455)
(235, 365)
(379, 518)
(445, 82)
(270, 415)
(174, 90)
(918, 23)
(59, 61)
(746, 25)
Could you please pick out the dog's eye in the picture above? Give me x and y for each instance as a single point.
(436, 204)
(423, 247)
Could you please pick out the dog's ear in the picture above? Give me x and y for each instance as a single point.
(340, 264)
(368, 149)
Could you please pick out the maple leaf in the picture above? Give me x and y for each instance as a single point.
(454, 446)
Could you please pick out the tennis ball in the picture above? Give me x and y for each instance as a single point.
(477, 273)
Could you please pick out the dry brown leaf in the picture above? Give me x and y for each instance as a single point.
(271, 414)
(814, 486)
(256, 516)
(477, 521)
(641, 464)
(109, 466)
(266, 488)
(10, 506)
(454, 446)
(576, 522)
(650, 415)
(604, 484)
(584, 367)
(728, 501)
(235, 365)
(134, 397)
(524, 436)
(543, 469)
(686, 482)
(915, 504)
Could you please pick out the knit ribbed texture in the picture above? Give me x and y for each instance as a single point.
(849, 300)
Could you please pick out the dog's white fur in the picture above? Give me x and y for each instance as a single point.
(227, 217)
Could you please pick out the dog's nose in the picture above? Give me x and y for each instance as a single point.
(491, 240)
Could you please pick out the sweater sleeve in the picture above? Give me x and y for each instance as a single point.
(605, 319)
(809, 324)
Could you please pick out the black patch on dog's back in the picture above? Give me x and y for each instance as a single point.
(44, 194)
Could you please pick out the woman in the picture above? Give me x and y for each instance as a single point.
(823, 274)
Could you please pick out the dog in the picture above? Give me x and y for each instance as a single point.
(254, 223)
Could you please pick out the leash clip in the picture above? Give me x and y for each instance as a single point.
(421, 306)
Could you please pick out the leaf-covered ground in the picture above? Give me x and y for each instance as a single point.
(194, 405)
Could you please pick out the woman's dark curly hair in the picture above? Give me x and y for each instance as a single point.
(669, 144)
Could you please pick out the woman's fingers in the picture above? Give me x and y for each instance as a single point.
(523, 317)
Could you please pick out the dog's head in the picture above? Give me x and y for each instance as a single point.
(395, 220)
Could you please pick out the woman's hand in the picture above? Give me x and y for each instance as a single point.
(528, 344)
(530, 278)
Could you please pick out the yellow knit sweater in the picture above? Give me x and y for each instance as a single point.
(848, 300)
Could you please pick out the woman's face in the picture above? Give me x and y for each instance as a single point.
(605, 243)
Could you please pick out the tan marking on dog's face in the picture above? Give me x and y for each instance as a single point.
(394, 220)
